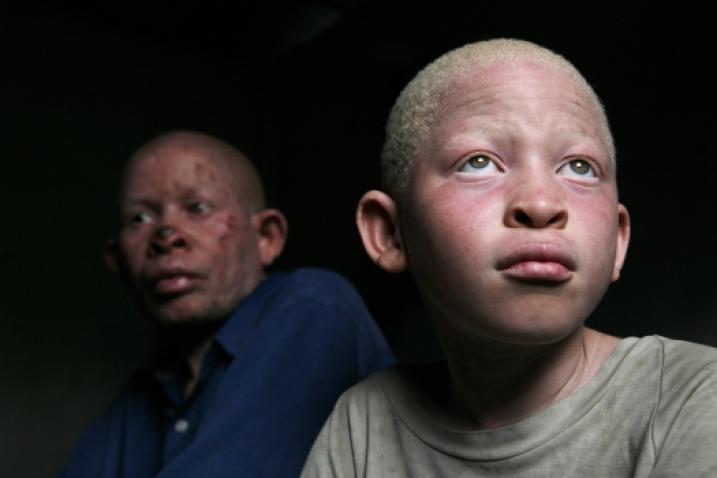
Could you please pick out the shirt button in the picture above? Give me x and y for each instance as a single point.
(181, 425)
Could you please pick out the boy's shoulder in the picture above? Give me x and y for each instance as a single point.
(681, 353)
(397, 392)
(655, 396)
(677, 361)
(672, 371)
(684, 420)
(688, 373)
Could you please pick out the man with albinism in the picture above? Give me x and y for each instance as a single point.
(248, 363)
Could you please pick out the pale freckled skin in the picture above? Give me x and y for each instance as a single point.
(513, 329)
(220, 253)
(510, 225)
(194, 239)
(231, 231)
(201, 170)
(528, 120)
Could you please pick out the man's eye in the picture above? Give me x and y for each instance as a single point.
(577, 168)
(480, 164)
(198, 207)
(139, 218)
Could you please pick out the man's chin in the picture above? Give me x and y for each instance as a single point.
(184, 309)
(177, 313)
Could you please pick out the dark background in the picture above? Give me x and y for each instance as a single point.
(304, 88)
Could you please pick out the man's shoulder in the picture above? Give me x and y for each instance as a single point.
(318, 310)
(138, 390)
(313, 286)
(313, 281)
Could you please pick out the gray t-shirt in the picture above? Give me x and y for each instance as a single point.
(650, 411)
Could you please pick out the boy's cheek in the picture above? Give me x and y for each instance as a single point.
(447, 208)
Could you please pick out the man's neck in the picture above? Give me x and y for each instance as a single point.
(497, 390)
(182, 348)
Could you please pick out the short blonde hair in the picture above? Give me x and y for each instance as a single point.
(414, 112)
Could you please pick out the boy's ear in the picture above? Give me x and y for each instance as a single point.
(271, 229)
(623, 239)
(377, 221)
(112, 256)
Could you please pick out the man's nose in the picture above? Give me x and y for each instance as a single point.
(166, 238)
(537, 202)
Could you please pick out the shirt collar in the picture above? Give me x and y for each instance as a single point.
(246, 316)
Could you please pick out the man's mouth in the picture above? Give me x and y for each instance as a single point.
(541, 262)
(171, 282)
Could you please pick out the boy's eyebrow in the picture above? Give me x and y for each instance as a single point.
(595, 141)
(495, 129)
(567, 141)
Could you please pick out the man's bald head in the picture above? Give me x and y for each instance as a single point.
(195, 236)
(245, 180)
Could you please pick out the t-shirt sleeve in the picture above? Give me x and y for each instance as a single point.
(332, 453)
(685, 426)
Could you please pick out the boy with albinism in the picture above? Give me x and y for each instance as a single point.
(500, 196)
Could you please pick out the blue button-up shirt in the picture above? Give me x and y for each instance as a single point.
(267, 383)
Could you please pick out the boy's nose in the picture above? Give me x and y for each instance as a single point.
(537, 204)
(165, 239)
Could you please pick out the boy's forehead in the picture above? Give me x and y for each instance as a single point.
(536, 90)
(519, 79)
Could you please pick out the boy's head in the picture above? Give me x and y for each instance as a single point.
(415, 111)
(500, 172)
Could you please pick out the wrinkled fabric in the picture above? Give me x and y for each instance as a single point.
(274, 371)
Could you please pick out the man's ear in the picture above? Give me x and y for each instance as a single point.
(623, 239)
(112, 255)
(377, 221)
(271, 229)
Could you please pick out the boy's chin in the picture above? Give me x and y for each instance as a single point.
(509, 335)
(544, 336)
(537, 319)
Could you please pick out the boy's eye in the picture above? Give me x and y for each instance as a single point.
(198, 207)
(479, 164)
(577, 168)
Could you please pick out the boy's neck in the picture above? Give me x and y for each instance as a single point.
(491, 391)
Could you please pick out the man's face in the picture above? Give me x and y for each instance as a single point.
(512, 226)
(190, 249)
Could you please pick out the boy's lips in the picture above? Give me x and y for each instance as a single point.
(538, 262)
